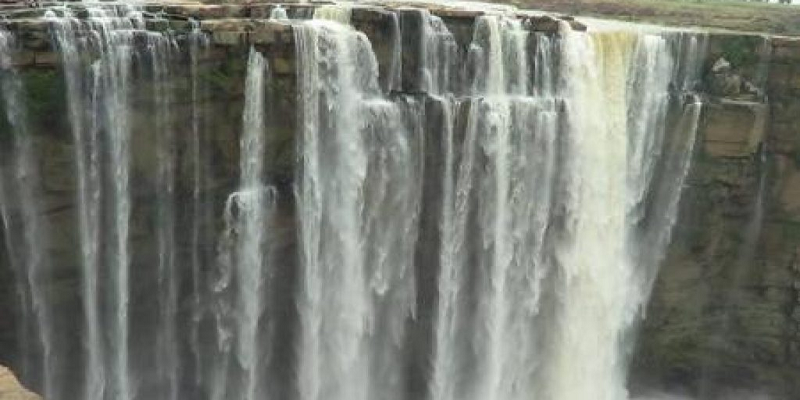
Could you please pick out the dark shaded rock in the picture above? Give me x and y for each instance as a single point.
(382, 28)
(210, 11)
(32, 34)
(462, 28)
(725, 84)
(734, 128)
(544, 23)
(411, 26)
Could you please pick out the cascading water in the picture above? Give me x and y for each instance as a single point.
(496, 232)
(498, 113)
(557, 175)
(439, 54)
(198, 46)
(590, 252)
(168, 263)
(278, 13)
(246, 260)
(20, 209)
(358, 197)
(99, 108)
(337, 13)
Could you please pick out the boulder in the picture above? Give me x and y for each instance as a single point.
(721, 66)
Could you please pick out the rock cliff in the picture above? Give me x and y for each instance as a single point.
(725, 310)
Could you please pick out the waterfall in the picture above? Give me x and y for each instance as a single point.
(338, 13)
(245, 252)
(439, 53)
(358, 196)
(253, 203)
(589, 257)
(86, 157)
(198, 47)
(483, 220)
(496, 125)
(20, 209)
(396, 67)
(168, 263)
(557, 176)
(278, 13)
(99, 107)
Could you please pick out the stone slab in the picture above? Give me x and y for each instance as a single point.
(734, 128)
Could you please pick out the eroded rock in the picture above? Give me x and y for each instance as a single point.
(735, 128)
(11, 389)
(721, 66)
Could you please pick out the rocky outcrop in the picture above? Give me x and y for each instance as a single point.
(11, 389)
(734, 127)
(724, 311)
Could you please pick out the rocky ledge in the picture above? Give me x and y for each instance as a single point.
(243, 24)
(11, 389)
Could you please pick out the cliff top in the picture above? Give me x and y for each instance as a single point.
(729, 15)
(779, 19)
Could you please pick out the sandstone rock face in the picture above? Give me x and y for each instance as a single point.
(734, 128)
(724, 311)
(11, 389)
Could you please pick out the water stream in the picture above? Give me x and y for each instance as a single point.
(493, 237)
